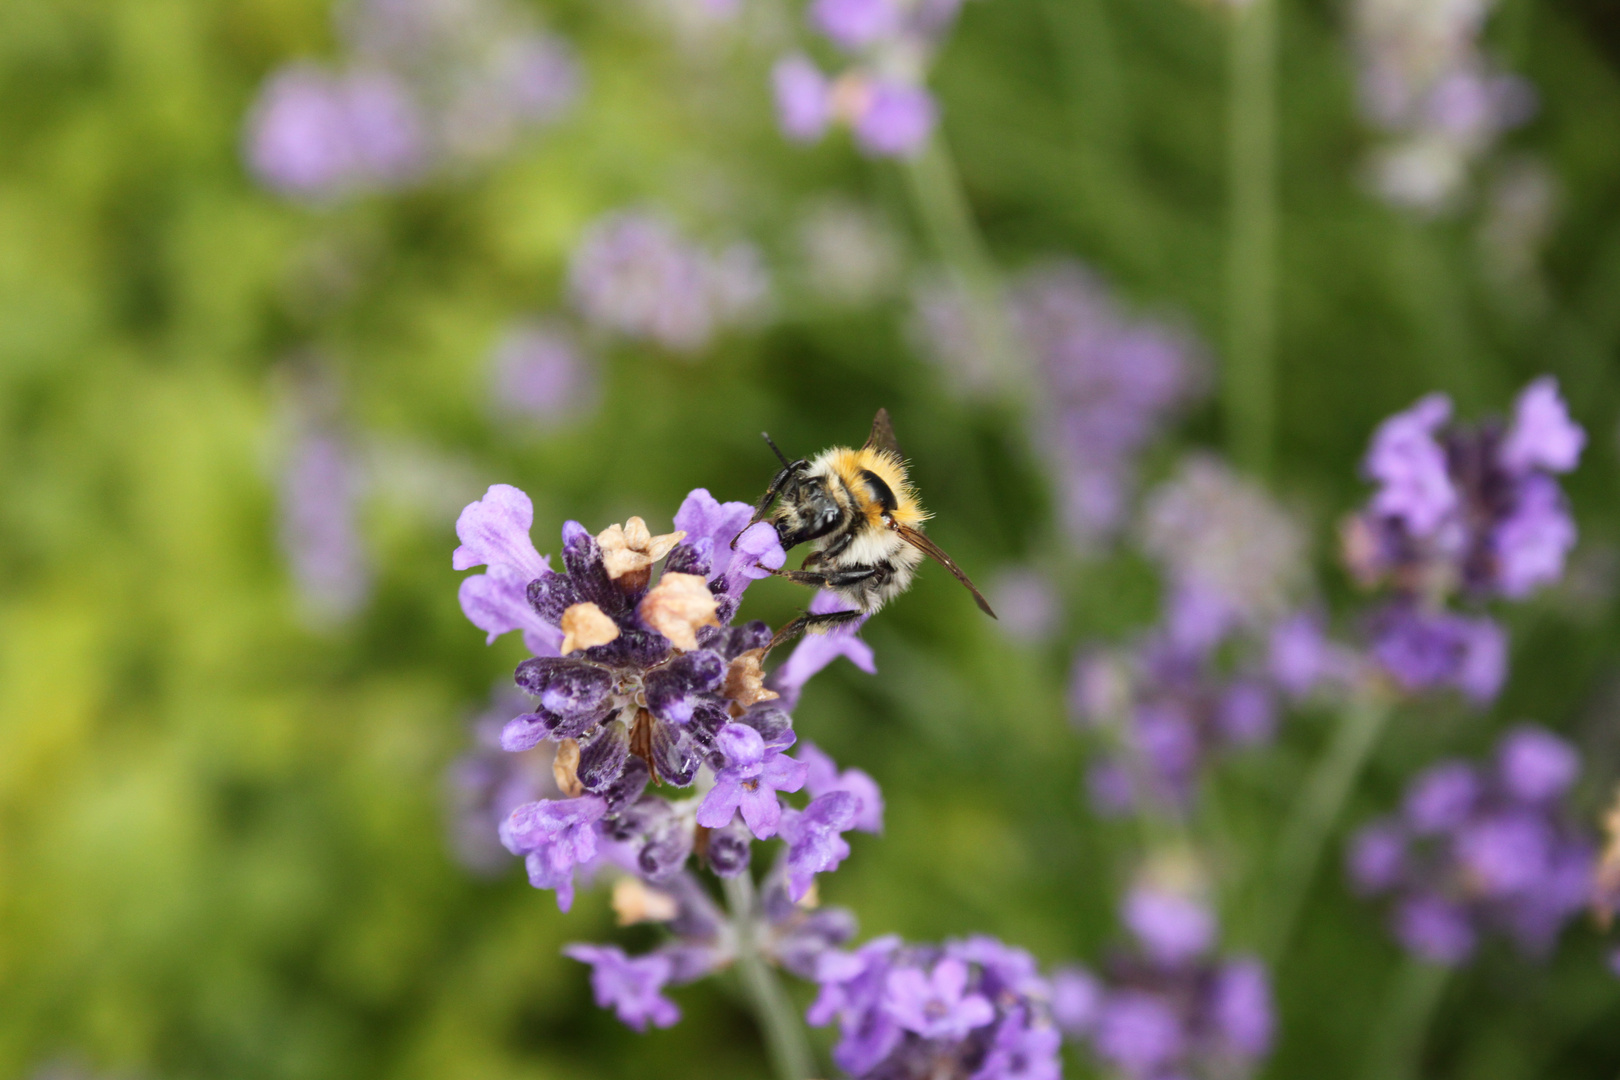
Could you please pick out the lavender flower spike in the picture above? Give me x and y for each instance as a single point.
(749, 781)
(631, 985)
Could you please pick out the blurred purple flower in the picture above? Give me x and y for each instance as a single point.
(1107, 383)
(633, 274)
(538, 374)
(1477, 851)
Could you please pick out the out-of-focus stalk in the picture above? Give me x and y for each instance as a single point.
(1316, 810)
(1249, 385)
(942, 204)
(779, 1023)
(1396, 1044)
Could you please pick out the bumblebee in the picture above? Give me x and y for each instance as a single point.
(859, 512)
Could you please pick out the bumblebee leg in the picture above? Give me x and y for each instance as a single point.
(824, 621)
(825, 579)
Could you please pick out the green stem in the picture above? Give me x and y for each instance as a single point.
(942, 205)
(778, 1021)
(1249, 392)
(1396, 1045)
(1316, 810)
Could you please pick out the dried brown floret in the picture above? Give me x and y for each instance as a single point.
(677, 606)
(745, 680)
(628, 551)
(584, 626)
(565, 769)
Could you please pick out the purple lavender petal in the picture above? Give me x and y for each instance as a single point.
(855, 24)
(1171, 928)
(298, 139)
(1247, 715)
(494, 531)
(1506, 854)
(1533, 541)
(936, 1005)
(702, 517)
(822, 778)
(497, 602)
(803, 98)
(1377, 859)
(1535, 765)
(1243, 1010)
(1441, 798)
(814, 842)
(897, 120)
(1542, 435)
(1138, 1031)
(1410, 466)
(631, 986)
(386, 131)
(1076, 1000)
(554, 836)
(816, 651)
(1435, 930)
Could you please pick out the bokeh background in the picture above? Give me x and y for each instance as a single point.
(226, 829)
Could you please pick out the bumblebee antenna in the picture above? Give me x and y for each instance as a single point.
(786, 464)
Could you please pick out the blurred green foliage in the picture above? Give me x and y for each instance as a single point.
(222, 838)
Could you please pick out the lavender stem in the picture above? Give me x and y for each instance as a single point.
(1397, 1042)
(779, 1023)
(942, 204)
(1249, 391)
(1315, 812)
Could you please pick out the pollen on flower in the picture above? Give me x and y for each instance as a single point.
(565, 768)
(631, 549)
(634, 901)
(584, 626)
(745, 681)
(677, 606)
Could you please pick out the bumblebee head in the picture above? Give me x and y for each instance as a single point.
(806, 508)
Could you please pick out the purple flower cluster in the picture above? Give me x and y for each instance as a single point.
(881, 98)
(538, 374)
(974, 1008)
(1107, 383)
(1163, 710)
(1229, 647)
(425, 82)
(633, 274)
(1481, 848)
(642, 679)
(1167, 1008)
(1471, 511)
(792, 934)
(1425, 82)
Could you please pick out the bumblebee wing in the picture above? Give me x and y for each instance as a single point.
(932, 550)
(882, 437)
